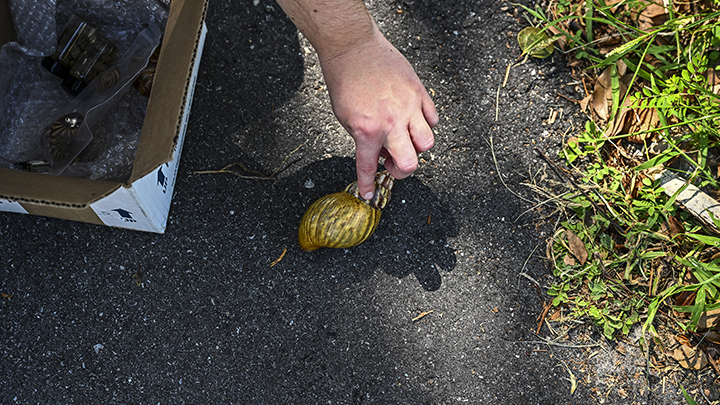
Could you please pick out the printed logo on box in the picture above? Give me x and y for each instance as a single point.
(118, 214)
(126, 216)
(162, 180)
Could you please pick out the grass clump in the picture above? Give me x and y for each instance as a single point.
(630, 254)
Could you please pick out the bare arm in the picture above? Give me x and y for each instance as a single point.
(374, 91)
(332, 26)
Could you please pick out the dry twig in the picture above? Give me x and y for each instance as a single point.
(497, 168)
(276, 261)
(257, 175)
(422, 315)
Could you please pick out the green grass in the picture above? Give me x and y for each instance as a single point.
(643, 249)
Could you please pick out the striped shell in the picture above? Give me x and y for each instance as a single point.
(342, 220)
(59, 137)
(144, 82)
(108, 78)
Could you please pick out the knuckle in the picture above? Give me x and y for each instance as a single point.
(407, 165)
(362, 128)
(428, 144)
(366, 167)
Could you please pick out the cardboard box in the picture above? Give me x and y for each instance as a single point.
(143, 202)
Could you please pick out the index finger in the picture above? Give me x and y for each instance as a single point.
(366, 161)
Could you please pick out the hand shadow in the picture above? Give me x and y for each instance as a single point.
(411, 238)
(414, 235)
(252, 64)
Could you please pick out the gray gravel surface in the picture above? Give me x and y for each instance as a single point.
(212, 321)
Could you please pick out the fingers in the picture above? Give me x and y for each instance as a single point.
(421, 134)
(366, 161)
(401, 148)
(404, 147)
(400, 154)
(403, 156)
(429, 111)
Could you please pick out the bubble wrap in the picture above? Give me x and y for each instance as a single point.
(30, 96)
(34, 23)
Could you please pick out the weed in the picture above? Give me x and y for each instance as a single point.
(660, 110)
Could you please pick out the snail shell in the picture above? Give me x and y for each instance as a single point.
(344, 219)
(59, 137)
(143, 84)
(108, 78)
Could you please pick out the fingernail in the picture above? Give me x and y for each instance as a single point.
(368, 195)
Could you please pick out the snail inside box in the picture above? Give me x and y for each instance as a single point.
(75, 84)
(128, 146)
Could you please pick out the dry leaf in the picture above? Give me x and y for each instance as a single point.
(603, 89)
(613, 4)
(685, 298)
(713, 78)
(584, 103)
(602, 94)
(615, 127)
(709, 319)
(712, 336)
(675, 227)
(606, 49)
(641, 120)
(631, 184)
(652, 16)
(561, 41)
(575, 62)
(689, 358)
(682, 339)
(608, 42)
(569, 261)
(577, 247)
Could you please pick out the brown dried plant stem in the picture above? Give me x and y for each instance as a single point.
(600, 209)
(497, 168)
(258, 175)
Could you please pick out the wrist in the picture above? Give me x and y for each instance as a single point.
(353, 40)
(333, 27)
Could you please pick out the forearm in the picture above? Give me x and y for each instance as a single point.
(375, 93)
(332, 26)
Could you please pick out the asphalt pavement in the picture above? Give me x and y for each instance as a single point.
(439, 306)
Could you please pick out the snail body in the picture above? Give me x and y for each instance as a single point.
(342, 220)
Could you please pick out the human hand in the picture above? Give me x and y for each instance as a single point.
(379, 99)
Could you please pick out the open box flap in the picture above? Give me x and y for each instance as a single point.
(163, 120)
(142, 202)
(52, 190)
(7, 33)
